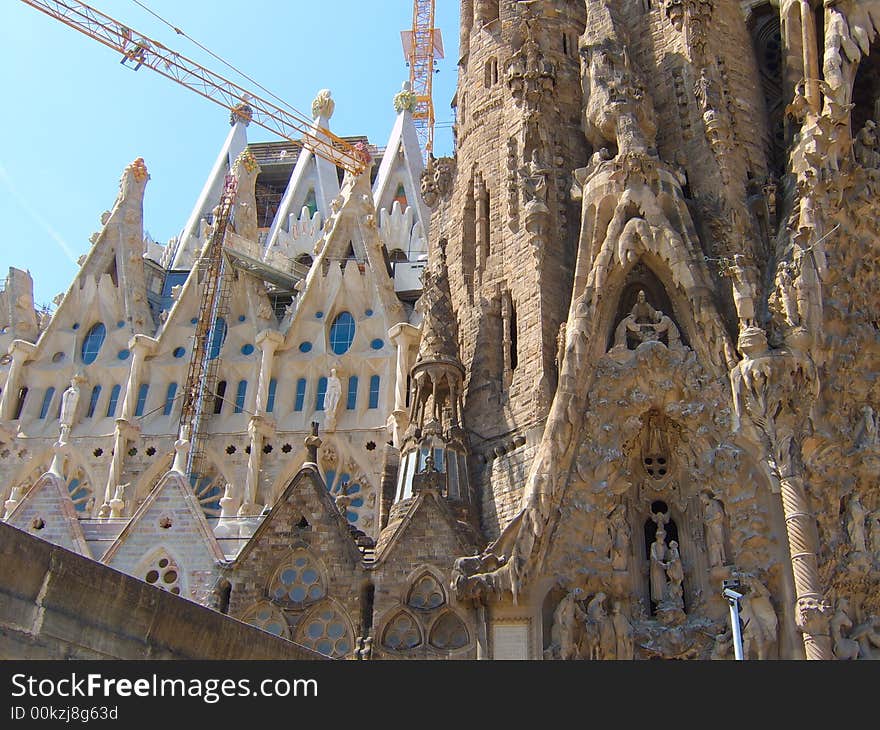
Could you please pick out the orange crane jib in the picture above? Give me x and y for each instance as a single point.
(287, 123)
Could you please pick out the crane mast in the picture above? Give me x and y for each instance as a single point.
(422, 45)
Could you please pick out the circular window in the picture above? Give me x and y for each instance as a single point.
(241, 318)
(305, 346)
(92, 343)
(76, 325)
(194, 320)
(377, 344)
(342, 333)
(120, 324)
(369, 313)
(123, 354)
(247, 349)
(319, 315)
(179, 352)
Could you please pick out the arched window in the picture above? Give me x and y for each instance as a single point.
(19, 404)
(342, 333)
(80, 493)
(47, 401)
(270, 400)
(142, 399)
(93, 401)
(169, 399)
(326, 631)
(374, 391)
(426, 593)
(218, 397)
(163, 572)
(351, 403)
(402, 633)
(449, 632)
(311, 202)
(268, 618)
(240, 394)
(299, 403)
(216, 338)
(114, 399)
(322, 391)
(299, 581)
(400, 197)
(92, 343)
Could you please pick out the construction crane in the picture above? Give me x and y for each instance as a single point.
(422, 46)
(140, 51)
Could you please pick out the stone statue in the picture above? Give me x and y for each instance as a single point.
(658, 564)
(599, 638)
(855, 525)
(623, 633)
(674, 595)
(759, 617)
(331, 399)
(867, 437)
(645, 324)
(567, 620)
(713, 515)
(620, 540)
(744, 277)
(844, 647)
(69, 402)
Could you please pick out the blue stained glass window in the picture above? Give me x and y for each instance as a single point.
(247, 349)
(305, 346)
(299, 403)
(270, 401)
(179, 352)
(374, 391)
(352, 393)
(93, 401)
(240, 394)
(92, 343)
(377, 344)
(311, 202)
(217, 336)
(169, 399)
(142, 399)
(322, 391)
(114, 399)
(123, 354)
(342, 333)
(47, 401)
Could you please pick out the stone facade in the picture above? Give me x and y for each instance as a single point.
(641, 366)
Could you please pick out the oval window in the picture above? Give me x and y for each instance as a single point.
(342, 333)
(92, 343)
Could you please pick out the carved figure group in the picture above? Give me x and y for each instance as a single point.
(645, 324)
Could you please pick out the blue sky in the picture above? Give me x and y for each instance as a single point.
(76, 117)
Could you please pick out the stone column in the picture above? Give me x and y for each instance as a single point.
(482, 203)
(267, 341)
(258, 428)
(811, 56)
(20, 351)
(141, 346)
(404, 336)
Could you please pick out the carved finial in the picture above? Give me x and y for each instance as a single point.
(405, 99)
(247, 160)
(241, 113)
(323, 105)
(312, 443)
(181, 451)
(138, 170)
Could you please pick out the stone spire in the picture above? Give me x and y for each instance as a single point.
(439, 342)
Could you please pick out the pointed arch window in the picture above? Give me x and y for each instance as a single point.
(218, 397)
(143, 391)
(114, 399)
(299, 581)
(169, 399)
(402, 633)
(426, 593)
(351, 403)
(449, 632)
(400, 197)
(93, 401)
(217, 337)
(374, 391)
(92, 343)
(19, 404)
(326, 630)
(342, 333)
(270, 399)
(299, 402)
(163, 572)
(311, 202)
(47, 401)
(240, 395)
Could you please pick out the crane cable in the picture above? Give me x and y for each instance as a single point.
(214, 55)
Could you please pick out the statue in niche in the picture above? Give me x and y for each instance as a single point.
(867, 436)
(855, 526)
(674, 595)
(331, 399)
(760, 620)
(534, 175)
(599, 637)
(658, 559)
(620, 538)
(567, 620)
(744, 277)
(623, 633)
(69, 402)
(713, 516)
(645, 324)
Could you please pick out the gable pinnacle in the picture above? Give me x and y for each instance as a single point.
(439, 328)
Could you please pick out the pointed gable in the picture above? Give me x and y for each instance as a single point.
(47, 512)
(170, 521)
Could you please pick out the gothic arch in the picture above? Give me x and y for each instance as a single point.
(162, 570)
(299, 580)
(267, 617)
(401, 631)
(425, 590)
(449, 632)
(327, 629)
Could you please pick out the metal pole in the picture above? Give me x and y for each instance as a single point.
(736, 628)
